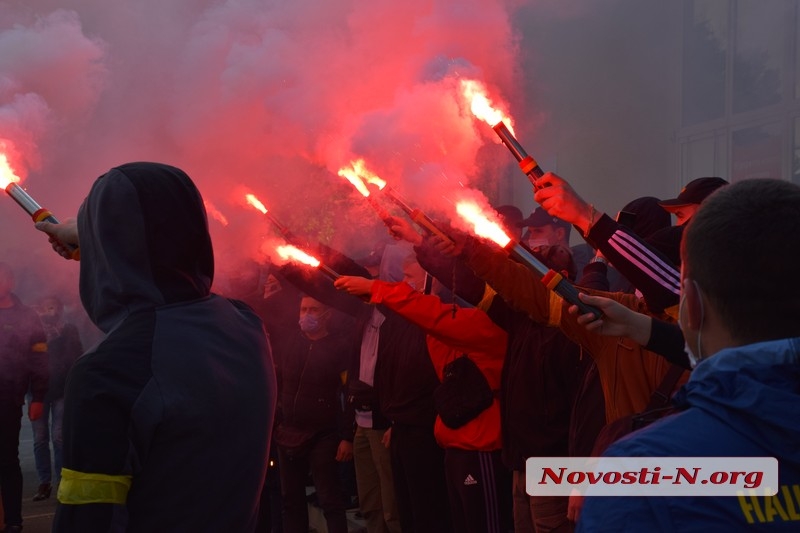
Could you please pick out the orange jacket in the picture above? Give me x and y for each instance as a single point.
(628, 373)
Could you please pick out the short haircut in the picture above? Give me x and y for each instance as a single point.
(742, 247)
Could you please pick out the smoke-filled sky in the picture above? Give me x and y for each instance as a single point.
(268, 97)
(273, 97)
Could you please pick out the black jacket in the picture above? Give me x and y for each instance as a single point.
(311, 378)
(404, 375)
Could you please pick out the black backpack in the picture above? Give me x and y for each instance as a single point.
(463, 394)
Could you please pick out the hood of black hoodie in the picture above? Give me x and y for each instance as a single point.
(144, 242)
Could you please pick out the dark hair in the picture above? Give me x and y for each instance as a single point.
(742, 247)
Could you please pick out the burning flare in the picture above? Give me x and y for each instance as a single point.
(482, 226)
(360, 176)
(7, 176)
(481, 106)
(215, 213)
(255, 202)
(292, 253)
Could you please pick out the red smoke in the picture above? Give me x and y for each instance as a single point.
(274, 96)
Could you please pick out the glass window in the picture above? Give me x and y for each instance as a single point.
(705, 46)
(756, 152)
(797, 52)
(760, 38)
(796, 152)
(697, 159)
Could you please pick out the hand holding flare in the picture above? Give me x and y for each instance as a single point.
(63, 237)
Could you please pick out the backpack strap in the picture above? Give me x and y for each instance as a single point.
(663, 393)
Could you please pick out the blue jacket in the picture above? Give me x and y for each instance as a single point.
(742, 402)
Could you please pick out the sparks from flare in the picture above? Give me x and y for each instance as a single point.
(359, 175)
(482, 107)
(482, 226)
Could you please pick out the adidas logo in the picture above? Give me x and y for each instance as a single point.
(470, 480)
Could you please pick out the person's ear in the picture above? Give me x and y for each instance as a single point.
(693, 304)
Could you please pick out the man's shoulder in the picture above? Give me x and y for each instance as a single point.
(693, 432)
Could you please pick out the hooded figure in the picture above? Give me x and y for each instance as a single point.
(167, 420)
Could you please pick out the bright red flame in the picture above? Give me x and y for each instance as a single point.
(215, 213)
(483, 227)
(7, 176)
(482, 107)
(255, 202)
(289, 252)
(359, 176)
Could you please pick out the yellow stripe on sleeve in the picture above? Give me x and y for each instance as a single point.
(488, 296)
(79, 488)
(556, 303)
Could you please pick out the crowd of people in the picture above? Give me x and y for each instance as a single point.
(433, 369)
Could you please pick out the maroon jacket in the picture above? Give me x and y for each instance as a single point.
(23, 355)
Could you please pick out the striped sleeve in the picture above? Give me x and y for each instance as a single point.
(650, 271)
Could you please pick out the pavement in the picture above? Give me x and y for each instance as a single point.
(37, 517)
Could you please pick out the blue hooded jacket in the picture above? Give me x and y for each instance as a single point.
(742, 402)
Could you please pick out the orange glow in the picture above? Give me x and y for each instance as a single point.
(255, 202)
(7, 176)
(215, 213)
(483, 227)
(481, 106)
(359, 176)
(289, 252)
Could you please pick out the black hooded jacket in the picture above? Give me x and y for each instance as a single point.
(167, 420)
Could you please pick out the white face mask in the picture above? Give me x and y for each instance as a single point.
(694, 359)
(537, 242)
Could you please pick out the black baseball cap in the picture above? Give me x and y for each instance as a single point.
(695, 192)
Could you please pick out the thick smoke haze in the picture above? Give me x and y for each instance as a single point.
(271, 96)
(274, 97)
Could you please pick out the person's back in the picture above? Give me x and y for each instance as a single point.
(740, 324)
(190, 397)
(167, 420)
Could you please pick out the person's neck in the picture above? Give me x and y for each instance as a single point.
(318, 335)
(6, 301)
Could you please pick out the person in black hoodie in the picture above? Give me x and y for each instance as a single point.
(167, 420)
